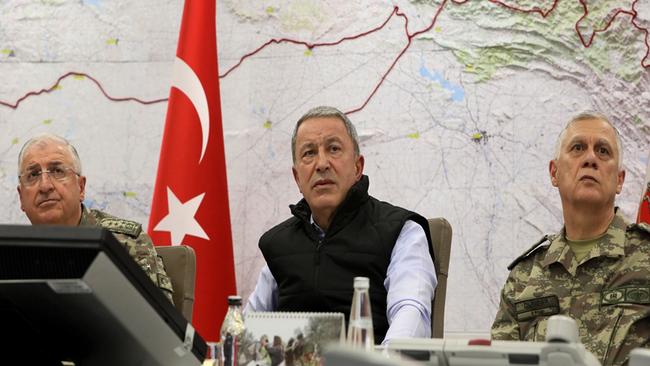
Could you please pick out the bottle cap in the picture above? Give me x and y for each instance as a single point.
(234, 300)
(562, 329)
(362, 283)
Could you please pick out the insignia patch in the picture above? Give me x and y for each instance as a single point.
(538, 306)
(626, 294)
(127, 227)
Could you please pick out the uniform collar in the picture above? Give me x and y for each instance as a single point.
(611, 245)
(86, 218)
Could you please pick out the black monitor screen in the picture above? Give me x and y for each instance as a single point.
(74, 294)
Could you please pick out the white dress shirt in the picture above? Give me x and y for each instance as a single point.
(410, 282)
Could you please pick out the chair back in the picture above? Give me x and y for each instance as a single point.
(180, 264)
(441, 244)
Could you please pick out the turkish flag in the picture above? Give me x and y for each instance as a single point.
(190, 201)
(644, 208)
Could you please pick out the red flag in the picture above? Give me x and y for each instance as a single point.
(190, 201)
(644, 208)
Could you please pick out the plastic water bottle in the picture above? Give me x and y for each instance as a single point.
(231, 329)
(360, 332)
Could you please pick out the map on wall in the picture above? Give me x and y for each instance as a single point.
(457, 103)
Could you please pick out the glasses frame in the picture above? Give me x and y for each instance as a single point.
(23, 181)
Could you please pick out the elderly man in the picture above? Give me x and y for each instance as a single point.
(338, 232)
(51, 190)
(597, 268)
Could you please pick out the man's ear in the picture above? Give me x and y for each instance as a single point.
(82, 188)
(20, 197)
(359, 166)
(295, 177)
(620, 178)
(552, 170)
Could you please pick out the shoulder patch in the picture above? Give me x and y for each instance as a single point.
(544, 242)
(121, 226)
(642, 226)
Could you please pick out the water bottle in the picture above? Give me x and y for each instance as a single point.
(360, 332)
(231, 329)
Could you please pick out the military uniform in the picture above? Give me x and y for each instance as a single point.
(607, 292)
(135, 241)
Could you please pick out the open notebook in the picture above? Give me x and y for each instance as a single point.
(272, 338)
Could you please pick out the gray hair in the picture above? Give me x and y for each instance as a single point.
(589, 116)
(325, 111)
(48, 137)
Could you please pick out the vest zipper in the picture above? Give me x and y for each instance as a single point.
(317, 262)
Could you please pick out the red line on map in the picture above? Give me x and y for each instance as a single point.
(632, 13)
(645, 63)
(587, 43)
(408, 44)
(397, 12)
(308, 44)
(536, 9)
(74, 73)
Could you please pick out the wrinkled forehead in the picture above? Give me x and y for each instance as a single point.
(590, 129)
(45, 152)
(322, 128)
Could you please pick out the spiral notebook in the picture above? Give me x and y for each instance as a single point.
(288, 338)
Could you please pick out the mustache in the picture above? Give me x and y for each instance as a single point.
(46, 198)
(322, 180)
(588, 176)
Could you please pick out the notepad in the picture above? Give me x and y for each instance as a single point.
(272, 338)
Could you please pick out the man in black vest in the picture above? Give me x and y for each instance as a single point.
(338, 232)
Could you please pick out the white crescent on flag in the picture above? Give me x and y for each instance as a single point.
(186, 80)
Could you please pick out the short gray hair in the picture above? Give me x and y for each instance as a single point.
(588, 116)
(325, 111)
(49, 137)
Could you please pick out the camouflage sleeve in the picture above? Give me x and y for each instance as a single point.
(505, 326)
(143, 252)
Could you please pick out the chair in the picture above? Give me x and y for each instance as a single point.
(180, 264)
(441, 244)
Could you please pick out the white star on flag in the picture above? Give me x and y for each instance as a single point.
(180, 220)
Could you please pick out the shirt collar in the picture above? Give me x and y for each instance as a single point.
(321, 232)
(355, 197)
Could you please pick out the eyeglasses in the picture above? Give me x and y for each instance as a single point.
(59, 173)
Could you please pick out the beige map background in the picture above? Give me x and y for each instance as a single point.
(457, 112)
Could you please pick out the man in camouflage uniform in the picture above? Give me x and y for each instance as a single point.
(597, 268)
(51, 189)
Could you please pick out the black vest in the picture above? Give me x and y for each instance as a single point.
(316, 274)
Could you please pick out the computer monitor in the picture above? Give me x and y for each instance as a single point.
(74, 294)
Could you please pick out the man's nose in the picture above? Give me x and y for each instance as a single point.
(590, 159)
(45, 182)
(322, 160)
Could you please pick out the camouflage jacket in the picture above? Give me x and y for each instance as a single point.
(136, 241)
(607, 292)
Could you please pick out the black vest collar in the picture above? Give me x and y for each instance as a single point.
(357, 195)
